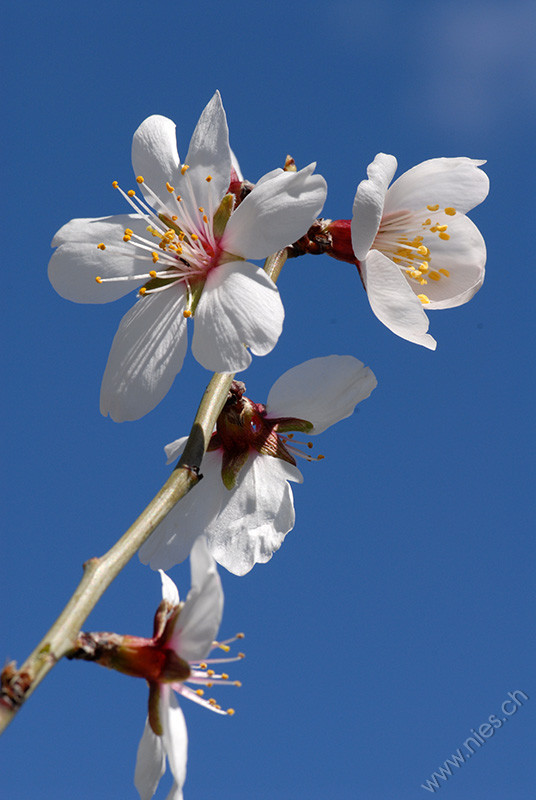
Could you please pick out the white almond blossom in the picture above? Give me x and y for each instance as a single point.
(415, 245)
(244, 503)
(184, 634)
(185, 248)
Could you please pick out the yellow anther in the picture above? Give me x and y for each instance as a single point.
(174, 218)
(143, 290)
(427, 221)
(186, 313)
(152, 274)
(424, 300)
(424, 267)
(131, 193)
(450, 211)
(179, 198)
(98, 279)
(210, 685)
(442, 228)
(445, 272)
(127, 238)
(239, 636)
(433, 208)
(115, 184)
(210, 673)
(199, 692)
(224, 647)
(169, 187)
(423, 281)
(155, 257)
(205, 219)
(195, 237)
(101, 246)
(201, 209)
(397, 260)
(434, 229)
(208, 178)
(444, 236)
(435, 276)
(241, 655)
(237, 683)
(423, 250)
(184, 168)
(203, 665)
(224, 676)
(139, 179)
(230, 711)
(212, 701)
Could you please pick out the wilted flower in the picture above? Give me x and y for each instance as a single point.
(244, 503)
(185, 249)
(414, 245)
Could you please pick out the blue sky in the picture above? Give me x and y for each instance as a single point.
(398, 614)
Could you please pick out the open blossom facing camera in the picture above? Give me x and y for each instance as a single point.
(416, 249)
(184, 248)
(244, 503)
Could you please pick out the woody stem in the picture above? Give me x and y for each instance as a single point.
(18, 684)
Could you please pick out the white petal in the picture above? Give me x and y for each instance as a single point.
(368, 203)
(463, 256)
(269, 175)
(109, 230)
(172, 540)
(240, 307)
(322, 390)
(147, 352)
(236, 166)
(77, 262)
(209, 154)
(393, 301)
(257, 516)
(175, 735)
(456, 182)
(275, 214)
(150, 763)
(170, 593)
(155, 156)
(175, 793)
(174, 449)
(199, 620)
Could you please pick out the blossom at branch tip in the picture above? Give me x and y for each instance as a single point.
(244, 503)
(185, 249)
(416, 248)
(184, 636)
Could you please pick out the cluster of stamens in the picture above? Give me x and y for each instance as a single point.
(201, 673)
(409, 250)
(294, 446)
(185, 247)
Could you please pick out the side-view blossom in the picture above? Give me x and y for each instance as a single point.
(183, 636)
(414, 245)
(185, 249)
(244, 503)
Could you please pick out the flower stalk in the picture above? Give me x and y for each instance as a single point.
(99, 572)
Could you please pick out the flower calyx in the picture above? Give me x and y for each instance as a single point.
(243, 426)
(136, 656)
